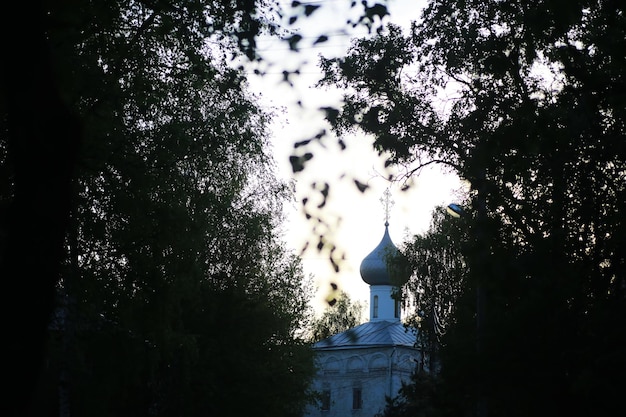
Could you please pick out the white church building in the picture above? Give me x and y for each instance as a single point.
(359, 368)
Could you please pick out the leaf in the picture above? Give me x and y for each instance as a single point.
(286, 78)
(321, 39)
(378, 9)
(320, 134)
(302, 143)
(362, 187)
(309, 9)
(324, 191)
(293, 42)
(297, 162)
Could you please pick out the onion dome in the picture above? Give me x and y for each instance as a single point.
(385, 265)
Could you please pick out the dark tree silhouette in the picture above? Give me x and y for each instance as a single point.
(534, 120)
(137, 185)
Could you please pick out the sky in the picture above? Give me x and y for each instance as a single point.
(354, 220)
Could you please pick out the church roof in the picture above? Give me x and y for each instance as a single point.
(370, 334)
(383, 266)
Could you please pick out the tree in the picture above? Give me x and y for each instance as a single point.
(342, 315)
(436, 292)
(162, 236)
(437, 283)
(40, 135)
(536, 125)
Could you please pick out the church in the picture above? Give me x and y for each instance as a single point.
(359, 368)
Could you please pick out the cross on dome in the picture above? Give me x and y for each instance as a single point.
(387, 204)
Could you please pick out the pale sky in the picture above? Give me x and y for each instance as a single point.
(356, 219)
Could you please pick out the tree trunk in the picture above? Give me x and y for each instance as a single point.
(42, 140)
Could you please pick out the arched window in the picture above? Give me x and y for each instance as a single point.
(375, 312)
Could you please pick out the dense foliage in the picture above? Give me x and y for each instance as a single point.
(156, 191)
(437, 283)
(341, 315)
(526, 101)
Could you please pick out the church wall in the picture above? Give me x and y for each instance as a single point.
(344, 372)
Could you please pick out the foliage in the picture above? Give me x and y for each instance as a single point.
(437, 282)
(534, 120)
(423, 396)
(342, 315)
(177, 293)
